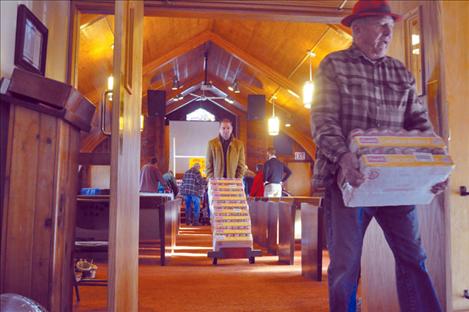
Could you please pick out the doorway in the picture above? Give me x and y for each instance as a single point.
(186, 33)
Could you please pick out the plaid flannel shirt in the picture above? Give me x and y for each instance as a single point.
(354, 92)
(192, 183)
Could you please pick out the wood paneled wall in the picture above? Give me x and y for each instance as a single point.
(455, 31)
(4, 113)
(257, 143)
(153, 141)
(378, 275)
(39, 214)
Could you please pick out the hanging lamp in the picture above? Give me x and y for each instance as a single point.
(274, 122)
(308, 87)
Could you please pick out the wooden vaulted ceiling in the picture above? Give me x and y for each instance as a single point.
(265, 56)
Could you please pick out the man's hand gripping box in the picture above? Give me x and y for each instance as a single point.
(393, 180)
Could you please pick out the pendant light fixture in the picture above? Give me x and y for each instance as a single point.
(308, 87)
(234, 87)
(274, 122)
(176, 84)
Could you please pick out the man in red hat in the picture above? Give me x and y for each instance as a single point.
(363, 88)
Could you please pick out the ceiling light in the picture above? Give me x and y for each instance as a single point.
(308, 90)
(110, 83)
(274, 125)
(288, 125)
(179, 97)
(234, 87)
(274, 122)
(229, 100)
(176, 84)
(308, 87)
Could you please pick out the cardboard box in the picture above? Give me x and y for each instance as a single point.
(389, 144)
(393, 179)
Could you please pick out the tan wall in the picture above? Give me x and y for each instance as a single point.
(55, 15)
(455, 29)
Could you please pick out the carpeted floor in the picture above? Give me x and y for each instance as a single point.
(189, 282)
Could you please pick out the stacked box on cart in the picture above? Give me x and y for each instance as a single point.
(231, 223)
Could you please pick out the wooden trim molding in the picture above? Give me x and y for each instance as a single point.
(295, 11)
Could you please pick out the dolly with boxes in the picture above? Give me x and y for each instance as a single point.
(231, 224)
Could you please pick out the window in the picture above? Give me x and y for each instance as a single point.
(414, 48)
(201, 115)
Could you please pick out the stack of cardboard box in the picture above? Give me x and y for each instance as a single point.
(400, 167)
(231, 223)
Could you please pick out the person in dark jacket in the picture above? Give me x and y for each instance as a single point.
(171, 182)
(275, 173)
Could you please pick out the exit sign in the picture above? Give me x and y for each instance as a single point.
(300, 155)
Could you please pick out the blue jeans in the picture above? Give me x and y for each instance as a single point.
(207, 204)
(192, 214)
(345, 231)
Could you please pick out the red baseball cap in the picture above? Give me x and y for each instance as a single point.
(366, 8)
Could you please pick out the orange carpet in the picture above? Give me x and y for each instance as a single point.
(189, 282)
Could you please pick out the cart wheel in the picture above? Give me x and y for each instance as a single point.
(214, 261)
(252, 260)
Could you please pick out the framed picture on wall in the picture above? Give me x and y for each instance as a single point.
(31, 42)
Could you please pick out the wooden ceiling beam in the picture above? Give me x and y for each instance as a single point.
(342, 30)
(254, 63)
(293, 11)
(186, 85)
(194, 42)
(220, 84)
(170, 93)
(223, 86)
(230, 107)
(240, 54)
(91, 140)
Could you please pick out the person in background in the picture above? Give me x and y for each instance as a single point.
(150, 175)
(248, 180)
(192, 189)
(361, 87)
(171, 182)
(275, 174)
(225, 154)
(257, 189)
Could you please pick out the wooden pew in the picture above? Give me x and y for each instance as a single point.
(272, 228)
(311, 241)
(279, 224)
(286, 232)
(167, 222)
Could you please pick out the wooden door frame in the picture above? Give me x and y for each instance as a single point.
(228, 10)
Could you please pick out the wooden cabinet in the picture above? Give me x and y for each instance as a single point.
(38, 204)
